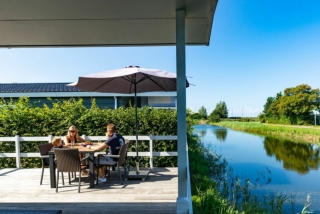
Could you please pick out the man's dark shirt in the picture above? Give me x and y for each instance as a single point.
(115, 142)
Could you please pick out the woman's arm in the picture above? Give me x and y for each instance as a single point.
(66, 141)
(81, 139)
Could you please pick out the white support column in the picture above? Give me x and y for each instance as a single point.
(115, 102)
(175, 102)
(17, 145)
(182, 200)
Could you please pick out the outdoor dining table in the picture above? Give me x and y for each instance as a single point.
(82, 150)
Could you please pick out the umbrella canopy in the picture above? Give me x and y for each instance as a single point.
(128, 80)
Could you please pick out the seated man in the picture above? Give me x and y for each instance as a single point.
(114, 142)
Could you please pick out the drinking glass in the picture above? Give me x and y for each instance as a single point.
(72, 144)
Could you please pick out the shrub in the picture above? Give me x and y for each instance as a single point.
(214, 118)
(22, 118)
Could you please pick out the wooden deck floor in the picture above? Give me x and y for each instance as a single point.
(21, 189)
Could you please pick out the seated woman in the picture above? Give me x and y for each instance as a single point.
(73, 136)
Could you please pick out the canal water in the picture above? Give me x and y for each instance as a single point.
(293, 168)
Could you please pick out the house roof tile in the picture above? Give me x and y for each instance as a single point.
(36, 87)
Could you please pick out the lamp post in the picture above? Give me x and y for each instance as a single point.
(315, 117)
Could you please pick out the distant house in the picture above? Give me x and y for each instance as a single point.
(39, 92)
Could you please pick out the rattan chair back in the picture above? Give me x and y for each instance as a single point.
(68, 159)
(122, 154)
(44, 150)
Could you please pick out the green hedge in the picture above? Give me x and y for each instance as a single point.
(24, 119)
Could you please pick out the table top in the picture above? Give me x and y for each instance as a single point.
(82, 149)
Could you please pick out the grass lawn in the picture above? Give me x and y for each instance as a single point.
(307, 134)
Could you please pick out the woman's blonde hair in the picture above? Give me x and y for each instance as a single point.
(75, 128)
(55, 141)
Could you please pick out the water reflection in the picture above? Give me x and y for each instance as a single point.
(295, 156)
(221, 134)
(294, 167)
(203, 133)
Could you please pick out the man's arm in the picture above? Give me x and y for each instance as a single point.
(101, 147)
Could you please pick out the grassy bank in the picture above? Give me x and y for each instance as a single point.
(307, 134)
(197, 121)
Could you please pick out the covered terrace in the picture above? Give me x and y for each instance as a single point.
(82, 23)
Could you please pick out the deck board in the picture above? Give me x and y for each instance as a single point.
(21, 189)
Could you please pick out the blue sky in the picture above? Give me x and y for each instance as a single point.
(257, 49)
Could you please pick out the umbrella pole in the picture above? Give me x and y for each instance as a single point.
(137, 123)
(144, 173)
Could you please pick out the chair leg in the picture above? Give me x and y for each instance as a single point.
(57, 182)
(41, 175)
(125, 172)
(69, 178)
(62, 178)
(79, 181)
(97, 175)
(120, 174)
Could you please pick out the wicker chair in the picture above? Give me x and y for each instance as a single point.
(44, 149)
(44, 155)
(68, 161)
(120, 162)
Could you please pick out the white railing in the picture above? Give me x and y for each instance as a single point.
(17, 154)
(17, 139)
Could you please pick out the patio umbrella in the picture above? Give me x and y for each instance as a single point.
(129, 80)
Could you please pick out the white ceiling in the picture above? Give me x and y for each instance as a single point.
(29, 23)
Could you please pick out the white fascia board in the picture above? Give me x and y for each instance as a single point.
(86, 94)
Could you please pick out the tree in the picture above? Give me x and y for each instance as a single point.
(220, 111)
(271, 105)
(189, 112)
(293, 107)
(203, 112)
(298, 102)
(213, 117)
(266, 106)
